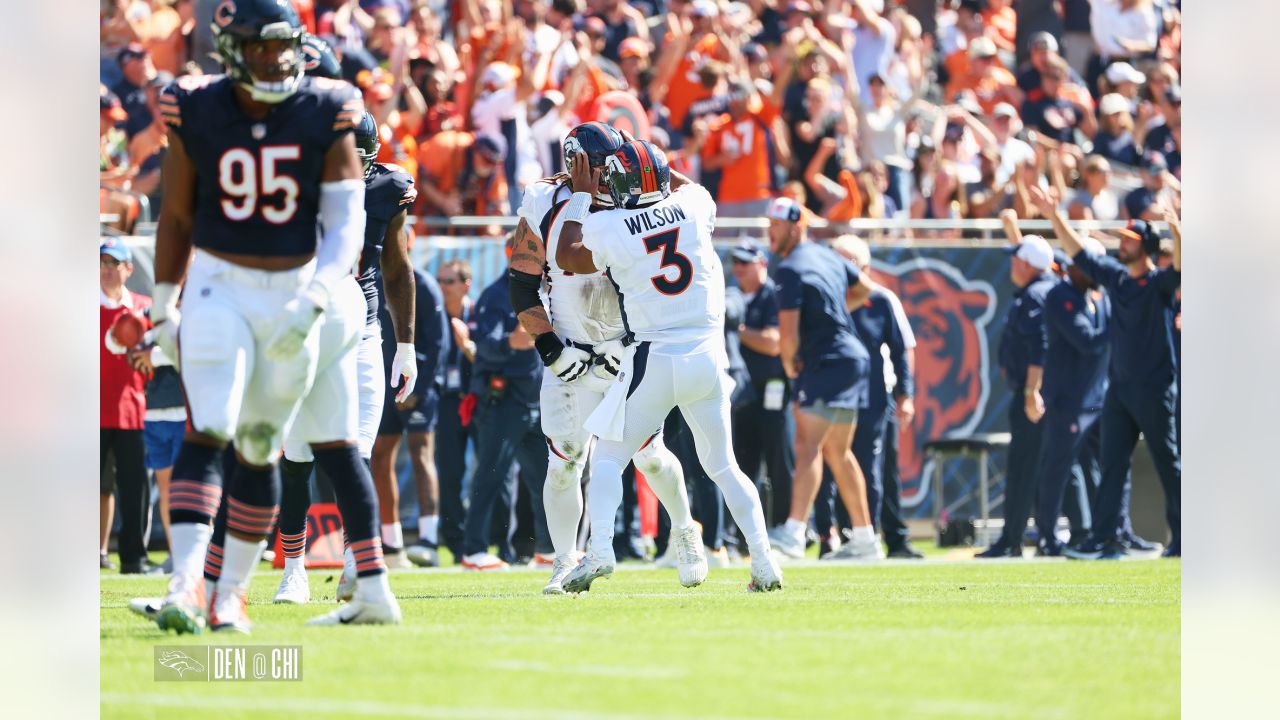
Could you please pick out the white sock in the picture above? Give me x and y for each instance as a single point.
(564, 510)
(373, 588)
(794, 527)
(189, 542)
(392, 535)
(238, 559)
(348, 562)
(606, 495)
(294, 564)
(427, 525)
(864, 535)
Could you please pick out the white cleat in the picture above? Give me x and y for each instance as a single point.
(766, 576)
(362, 612)
(147, 607)
(690, 558)
(294, 587)
(346, 587)
(786, 543)
(423, 555)
(484, 562)
(718, 558)
(395, 559)
(230, 612)
(863, 552)
(591, 568)
(560, 570)
(184, 607)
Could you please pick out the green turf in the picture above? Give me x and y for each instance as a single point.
(938, 640)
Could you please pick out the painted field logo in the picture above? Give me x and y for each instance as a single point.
(227, 663)
(949, 315)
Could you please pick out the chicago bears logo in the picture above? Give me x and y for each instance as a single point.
(310, 57)
(224, 13)
(949, 316)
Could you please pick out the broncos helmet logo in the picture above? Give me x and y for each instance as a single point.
(949, 315)
(180, 662)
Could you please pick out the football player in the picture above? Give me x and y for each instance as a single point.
(655, 247)
(384, 261)
(262, 180)
(584, 315)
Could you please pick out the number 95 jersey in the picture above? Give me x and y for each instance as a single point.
(258, 181)
(661, 259)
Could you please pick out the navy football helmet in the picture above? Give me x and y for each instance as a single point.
(598, 140)
(367, 141)
(637, 175)
(240, 24)
(319, 59)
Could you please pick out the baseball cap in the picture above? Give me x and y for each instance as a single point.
(784, 208)
(705, 8)
(115, 249)
(1112, 103)
(982, 47)
(633, 47)
(1154, 162)
(1124, 72)
(1142, 231)
(1035, 251)
(1044, 41)
(1092, 245)
(109, 103)
(1004, 109)
(131, 51)
(492, 147)
(497, 75)
(746, 251)
(1061, 259)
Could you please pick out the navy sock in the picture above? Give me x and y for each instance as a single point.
(253, 501)
(353, 486)
(196, 489)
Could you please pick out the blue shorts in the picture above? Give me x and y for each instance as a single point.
(163, 438)
(421, 418)
(840, 384)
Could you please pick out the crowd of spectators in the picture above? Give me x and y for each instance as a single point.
(858, 108)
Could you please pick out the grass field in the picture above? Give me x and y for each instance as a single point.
(925, 640)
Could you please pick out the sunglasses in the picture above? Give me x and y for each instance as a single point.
(109, 262)
(448, 281)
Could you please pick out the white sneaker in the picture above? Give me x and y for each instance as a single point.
(362, 612)
(346, 587)
(184, 607)
(395, 558)
(541, 561)
(668, 557)
(591, 568)
(484, 562)
(294, 587)
(862, 551)
(766, 576)
(690, 558)
(230, 612)
(423, 555)
(790, 545)
(560, 570)
(147, 607)
(718, 559)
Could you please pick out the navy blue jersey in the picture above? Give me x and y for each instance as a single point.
(1142, 311)
(1024, 340)
(388, 191)
(1075, 369)
(814, 280)
(877, 326)
(258, 181)
(762, 312)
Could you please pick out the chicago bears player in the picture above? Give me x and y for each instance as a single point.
(655, 247)
(584, 314)
(263, 181)
(384, 262)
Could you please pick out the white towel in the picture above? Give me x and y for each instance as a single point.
(609, 418)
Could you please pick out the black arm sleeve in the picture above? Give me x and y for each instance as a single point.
(523, 288)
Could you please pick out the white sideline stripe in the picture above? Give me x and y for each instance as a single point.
(627, 671)
(326, 707)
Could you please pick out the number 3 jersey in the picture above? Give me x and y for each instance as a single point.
(258, 181)
(582, 308)
(660, 258)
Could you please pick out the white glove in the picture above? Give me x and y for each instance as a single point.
(294, 323)
(572, 364)
(405, 364)
(165, 316)
(608, 358)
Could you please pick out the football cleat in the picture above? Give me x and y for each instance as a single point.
(395, 558)
(766, 576)
(362, 612)
(853, 550)
(423, 554)
(591, 568)
(230, 612)
(484, 562)
(560, 570)
(346, 587)
(294, 587)
(690, 558)
(787, 544)
(147, 607)
(183, 609)
(541, 560)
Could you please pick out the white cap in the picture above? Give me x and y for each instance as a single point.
(784, 208)
(1004, 109)
(497, 75)
(706, 8)
(982, 47)
(1112, 103)
(1092, 245)
(1124, 72)
(1035, 251)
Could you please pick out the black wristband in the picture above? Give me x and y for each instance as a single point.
(549, 347)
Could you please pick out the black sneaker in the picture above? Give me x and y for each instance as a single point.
(1137, 545)
(141, 567)
(1048, 548)
(1174, 550)
(905, 551)
(104, 562)
(1095, 549)
(1000, 549)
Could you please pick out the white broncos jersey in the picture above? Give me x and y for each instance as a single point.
(669, 278)
(582, 308)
